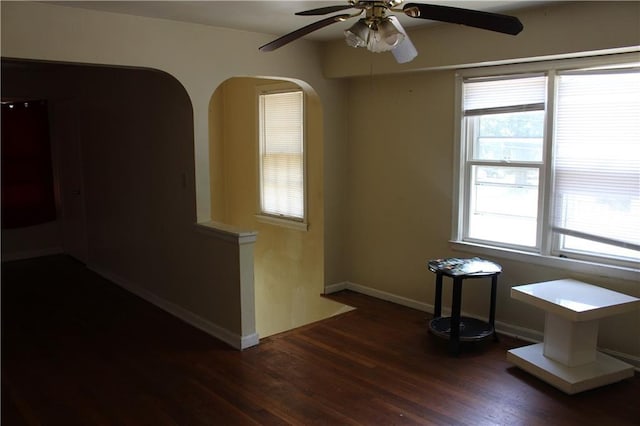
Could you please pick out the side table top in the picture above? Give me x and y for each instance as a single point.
(575, 300)
(464, 267)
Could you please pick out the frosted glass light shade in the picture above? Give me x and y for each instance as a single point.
(382, 35)
(390, 32)
(358, 34)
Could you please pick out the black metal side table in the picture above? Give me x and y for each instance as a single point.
(457, 328)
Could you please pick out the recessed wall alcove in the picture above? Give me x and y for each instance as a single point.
(288, 263)
(123, 157)
(122, 172)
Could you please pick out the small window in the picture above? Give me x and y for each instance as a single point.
(282, 155)
(550, 162)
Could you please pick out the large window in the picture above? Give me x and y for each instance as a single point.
(282, 169)
(550, 162)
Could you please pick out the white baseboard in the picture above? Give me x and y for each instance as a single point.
(522, 333)
(629, 359)
(334, 288)
(234, 340)
(378, 294)
(30, 254)
(526, 334)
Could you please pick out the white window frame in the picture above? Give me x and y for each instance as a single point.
(545, 254)
(297, 223)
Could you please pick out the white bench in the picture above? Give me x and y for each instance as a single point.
(568, 358)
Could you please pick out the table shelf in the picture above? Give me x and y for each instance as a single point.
(471, 329)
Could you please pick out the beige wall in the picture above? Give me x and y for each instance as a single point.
(197, 275)
(400, 180)
(289, 263)
(400, 211)
(132, 124)
(387, 188)
(401, 147)
(399, 217)
(191, 53)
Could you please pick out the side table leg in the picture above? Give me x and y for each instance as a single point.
(492, 311)
(456, 302)
(437, 303)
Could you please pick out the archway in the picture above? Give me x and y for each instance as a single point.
(289, 263)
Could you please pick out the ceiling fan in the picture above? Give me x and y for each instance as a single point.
(380, 31)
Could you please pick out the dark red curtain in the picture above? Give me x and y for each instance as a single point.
(27, 174)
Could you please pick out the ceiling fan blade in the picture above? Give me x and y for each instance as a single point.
(472, 18)
(324, 10)
(300, 32)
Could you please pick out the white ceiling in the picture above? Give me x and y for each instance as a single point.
(266, 16)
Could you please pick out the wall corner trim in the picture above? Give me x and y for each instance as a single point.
(249, 341)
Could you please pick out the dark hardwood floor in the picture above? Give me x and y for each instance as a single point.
(78, 350)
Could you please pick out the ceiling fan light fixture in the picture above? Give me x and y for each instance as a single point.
(377, 44)
(391, 31)
(358, 35)
(384, 36)
(405, 51)
(381, 36)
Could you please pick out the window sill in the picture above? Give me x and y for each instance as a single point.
(285, 223)
(572, 265)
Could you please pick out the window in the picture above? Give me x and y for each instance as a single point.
(282, 168)
(550, 162)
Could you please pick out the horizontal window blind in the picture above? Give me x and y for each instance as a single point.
(597, 157)
(485, 94)
(282, 154)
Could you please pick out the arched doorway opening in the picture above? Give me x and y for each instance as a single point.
(288, 263)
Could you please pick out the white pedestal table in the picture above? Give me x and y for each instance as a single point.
(568, 359)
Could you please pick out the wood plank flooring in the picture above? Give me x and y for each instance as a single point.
(78, 350)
